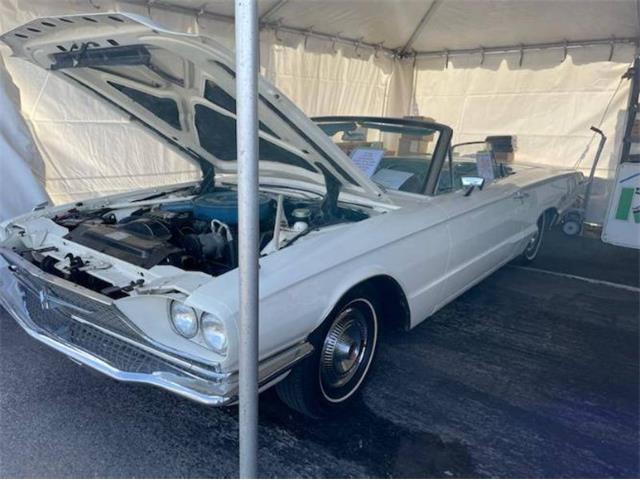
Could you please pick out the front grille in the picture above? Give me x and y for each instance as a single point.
(52, 308)
(86, 326)
(117, 353)
(100, 312)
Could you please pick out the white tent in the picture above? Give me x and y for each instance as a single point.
(19, 189)
(543, 70)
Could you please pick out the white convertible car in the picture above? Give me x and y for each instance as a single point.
(364, 222)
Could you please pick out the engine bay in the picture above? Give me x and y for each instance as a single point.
(195, 232)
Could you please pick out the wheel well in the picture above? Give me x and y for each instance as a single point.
(394, 304)
(552, 216)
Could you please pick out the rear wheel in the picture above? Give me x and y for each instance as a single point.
(344, 348)
(533, 246)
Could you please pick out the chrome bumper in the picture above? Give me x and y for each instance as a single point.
(91, 330)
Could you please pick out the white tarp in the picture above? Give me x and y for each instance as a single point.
(90, 149)
(452, 24)
(549, 103)
(19, 188)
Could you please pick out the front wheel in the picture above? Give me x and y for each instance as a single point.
(344, 348)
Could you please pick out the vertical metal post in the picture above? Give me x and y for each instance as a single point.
(632, 109)
(246, 18)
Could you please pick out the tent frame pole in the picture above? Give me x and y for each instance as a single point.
(533, 46)
(397, 52)
(420, 27)
(273, 10)
(247, 64)
(264, 23)
(632, 109)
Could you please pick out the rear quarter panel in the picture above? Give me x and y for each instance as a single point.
(548, 189)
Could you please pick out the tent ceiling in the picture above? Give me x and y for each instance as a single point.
(495, 23)
(452, 24)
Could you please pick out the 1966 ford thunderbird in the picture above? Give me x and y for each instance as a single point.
(364, 221)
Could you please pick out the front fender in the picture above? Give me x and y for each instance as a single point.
(348, 282)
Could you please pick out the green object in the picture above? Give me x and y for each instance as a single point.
(624, 204)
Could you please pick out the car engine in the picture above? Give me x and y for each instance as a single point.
(195, 234)
(198, 234)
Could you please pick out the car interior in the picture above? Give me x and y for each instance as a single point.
(399, 156)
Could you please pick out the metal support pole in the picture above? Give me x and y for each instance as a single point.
(632, 108)
(246, 15)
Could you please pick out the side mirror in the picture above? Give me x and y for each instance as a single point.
(469, 183)
(40, 206)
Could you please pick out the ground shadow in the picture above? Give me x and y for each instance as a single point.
(383, 448)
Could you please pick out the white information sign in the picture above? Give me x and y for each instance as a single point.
(367, 159)
(622, 224)
(484, 163)
(392, 179)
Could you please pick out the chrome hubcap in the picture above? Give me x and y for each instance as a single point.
(344, 348)
(532, 242)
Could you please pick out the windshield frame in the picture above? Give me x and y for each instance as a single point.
(440, 151)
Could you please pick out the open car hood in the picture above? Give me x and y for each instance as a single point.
(182, 87)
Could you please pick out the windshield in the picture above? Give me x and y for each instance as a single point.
(396, 154)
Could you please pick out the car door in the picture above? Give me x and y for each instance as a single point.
(483, 223)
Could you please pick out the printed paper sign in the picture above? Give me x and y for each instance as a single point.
(392, 179)
(367, 159)
(484, 163)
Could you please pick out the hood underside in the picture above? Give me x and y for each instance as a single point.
(182, 88)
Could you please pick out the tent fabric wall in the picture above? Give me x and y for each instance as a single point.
(549, 103)
(19, 189)
(90, 149)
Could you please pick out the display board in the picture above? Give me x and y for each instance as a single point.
(622, 225)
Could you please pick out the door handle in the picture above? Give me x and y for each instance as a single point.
(520, 195)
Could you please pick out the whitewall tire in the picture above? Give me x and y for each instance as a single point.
(344, 350)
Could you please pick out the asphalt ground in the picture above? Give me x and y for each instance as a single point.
(529, 374)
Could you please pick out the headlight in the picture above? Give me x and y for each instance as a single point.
(184, 319)
(214, 333)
